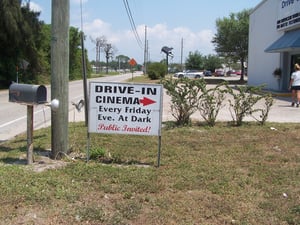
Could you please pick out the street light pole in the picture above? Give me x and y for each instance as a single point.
(168, 52)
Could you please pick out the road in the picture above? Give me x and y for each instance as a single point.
(13, 116)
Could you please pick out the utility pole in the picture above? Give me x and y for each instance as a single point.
(181, 54)
(60, 76)
(145, 52)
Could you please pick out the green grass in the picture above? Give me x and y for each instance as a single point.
(219, 175)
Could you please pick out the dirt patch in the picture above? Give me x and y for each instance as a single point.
(42, 162)
(45, 163)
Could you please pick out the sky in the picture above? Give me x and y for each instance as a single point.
(184, 25)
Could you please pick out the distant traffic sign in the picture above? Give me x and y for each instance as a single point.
(132, 62)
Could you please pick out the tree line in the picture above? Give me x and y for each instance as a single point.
(25, 44)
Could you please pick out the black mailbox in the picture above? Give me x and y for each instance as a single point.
(27, 93)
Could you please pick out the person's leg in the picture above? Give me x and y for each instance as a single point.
(293, 97)
(298, 97)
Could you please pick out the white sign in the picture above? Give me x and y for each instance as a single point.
(288, 14)
(124, 108)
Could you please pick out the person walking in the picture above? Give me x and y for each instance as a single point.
(295, 85)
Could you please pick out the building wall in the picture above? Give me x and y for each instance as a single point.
(262, 33)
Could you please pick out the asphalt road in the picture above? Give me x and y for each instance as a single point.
(13, 117)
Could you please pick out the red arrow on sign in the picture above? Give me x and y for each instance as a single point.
(146, 101)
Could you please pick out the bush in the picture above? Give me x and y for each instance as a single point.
(244, 100)
(189, 95)
(210, 103)
(96, 153)
(156, 71)
(184, 97)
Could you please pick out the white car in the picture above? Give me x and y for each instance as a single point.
(189, 74)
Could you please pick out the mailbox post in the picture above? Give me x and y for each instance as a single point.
(29, 95)
(29, 134)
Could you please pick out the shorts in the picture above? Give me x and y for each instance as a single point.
(295, 88)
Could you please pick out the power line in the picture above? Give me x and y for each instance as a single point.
(133, 27)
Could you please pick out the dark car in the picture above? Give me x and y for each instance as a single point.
(207, 73)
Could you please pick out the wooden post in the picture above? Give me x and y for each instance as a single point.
(60, 76)
(29, 134)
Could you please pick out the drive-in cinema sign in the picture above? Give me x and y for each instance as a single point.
(125, 108)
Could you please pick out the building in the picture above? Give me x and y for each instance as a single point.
(274, 43)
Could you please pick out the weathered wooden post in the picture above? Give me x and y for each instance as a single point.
(60, 76)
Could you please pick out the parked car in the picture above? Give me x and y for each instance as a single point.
(207, 73)
(219, 73)
(239, 72)
(189, 74)
(231, 73)
(179, 74)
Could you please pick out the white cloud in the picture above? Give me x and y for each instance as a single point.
(78, 1)
(35, 7)
(97, 28)
(158, 36)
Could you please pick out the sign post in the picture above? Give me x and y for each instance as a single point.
(122, 108)
(132, 63)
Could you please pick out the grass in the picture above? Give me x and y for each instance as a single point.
(220, 175)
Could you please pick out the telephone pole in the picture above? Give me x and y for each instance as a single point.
(181, 54)
(60, 76)
(145, 52)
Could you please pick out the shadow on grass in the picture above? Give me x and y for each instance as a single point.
(120, 162)
(10, 149)
(220, 80)
(16, 161)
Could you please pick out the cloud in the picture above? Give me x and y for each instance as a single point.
(78, 1)
(98, 28)
(158, 36)
(35, 7)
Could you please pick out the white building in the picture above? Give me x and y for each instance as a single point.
(274, 42)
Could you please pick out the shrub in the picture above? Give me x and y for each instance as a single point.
(156, 71)
(97, 153)
(189, 95)
(184, 97)
(244, 101)
(264, 113)
(210, 103)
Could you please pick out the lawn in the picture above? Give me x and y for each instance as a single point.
(208, 175)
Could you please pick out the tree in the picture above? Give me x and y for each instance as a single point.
(19, 40)
(44, 49)
(100, 43)
(109, 51)
(212, 62)
(231, 39)
(194, 61)
(122, 62)
(75, 54)
(25, 46)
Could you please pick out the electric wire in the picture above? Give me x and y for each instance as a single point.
(132, 23)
